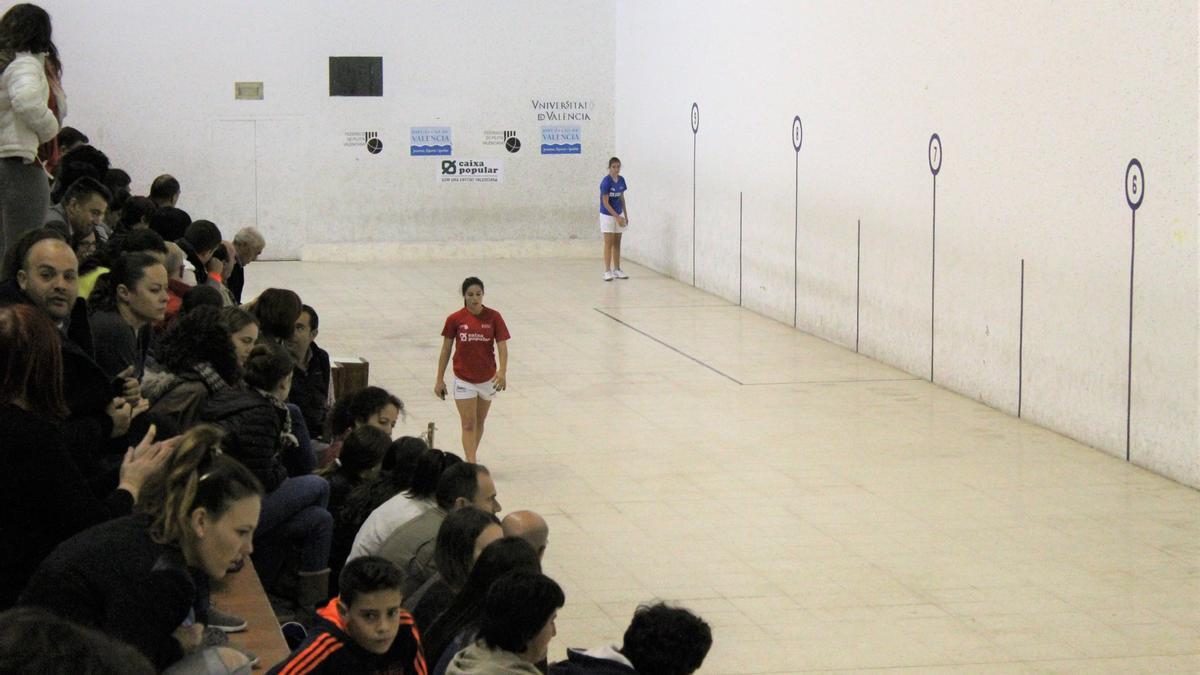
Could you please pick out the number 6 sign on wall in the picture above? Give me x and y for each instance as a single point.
(935, 165)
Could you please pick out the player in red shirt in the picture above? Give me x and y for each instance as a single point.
(470, 332)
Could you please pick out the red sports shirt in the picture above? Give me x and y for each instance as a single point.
(474, 358)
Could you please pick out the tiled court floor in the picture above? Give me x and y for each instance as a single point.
(822, 511)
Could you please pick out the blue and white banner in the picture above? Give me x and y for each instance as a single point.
(427, 141)
(562, 140)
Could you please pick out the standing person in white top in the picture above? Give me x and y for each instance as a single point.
(614, 218)
(30, 65)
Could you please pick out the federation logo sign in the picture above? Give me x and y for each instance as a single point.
(511, 142)
(374, 145)
(508, 139)
(427, 141)
(360, 139)
(562, 140)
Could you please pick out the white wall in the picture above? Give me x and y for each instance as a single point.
(1039, 106)
(151, 83)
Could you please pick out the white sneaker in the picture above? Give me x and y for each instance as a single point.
(618, 274)
(608, 276)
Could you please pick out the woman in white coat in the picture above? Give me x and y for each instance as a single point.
(30, 75)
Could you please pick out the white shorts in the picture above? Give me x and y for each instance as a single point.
(464, 390)
(608, 225)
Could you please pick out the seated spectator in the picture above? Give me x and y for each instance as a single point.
(295, 509)
(312, 381)
(395, 476)
(201, 296)
(127, 302)
(82, 208)
(117, 181)
(277, 310)
(33, 640)
(91, 269)
(84, 161)
(44, 497)
(143, 578)
(84, 244)
(363, 630)
(661, 639)
(195, 359)
(164, 192)
(70, 138)
(176, 286)
(248, 244)
(199, 242)
(515, 628)
(215, 281)
(461, 539)
(361, 461)
(136, 214)
(243, 331)
(42, 271)
(170, 223)
(403, 507)
(371, 405)
(529, 526)
(458, 626)
(411, 547)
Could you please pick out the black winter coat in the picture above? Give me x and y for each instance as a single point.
(252, 427)
(116, 579)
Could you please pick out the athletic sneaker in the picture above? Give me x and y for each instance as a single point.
(618, 274)
(608, 276)
(230, 623)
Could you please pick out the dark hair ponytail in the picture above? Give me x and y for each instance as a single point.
(127, 271)
(267, 365)
(196, 476)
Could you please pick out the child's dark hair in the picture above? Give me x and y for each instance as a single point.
(267, 365)
(667, 640)
(196, 476)
(367, 574)
(469, 282)
(613, 160)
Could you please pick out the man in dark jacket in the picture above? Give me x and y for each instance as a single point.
(312, 375)
(661, 640)
(363, 630)
(43, 272)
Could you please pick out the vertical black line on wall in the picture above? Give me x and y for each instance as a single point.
(797, 142)
(858, 287)
(693, 209)
(740, 249)
(796, 252)
(1021, 342)
(1135, 191)
(932, 278)
(934, 155)
(1129, 372)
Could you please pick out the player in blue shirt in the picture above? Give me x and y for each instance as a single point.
(614, 218)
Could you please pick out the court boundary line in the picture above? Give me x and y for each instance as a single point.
(731, 378)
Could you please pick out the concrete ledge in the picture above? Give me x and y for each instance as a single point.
(448, 250)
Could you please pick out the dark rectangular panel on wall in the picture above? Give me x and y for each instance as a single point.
(356, 76)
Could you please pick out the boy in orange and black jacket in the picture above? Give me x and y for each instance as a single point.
(363, 630)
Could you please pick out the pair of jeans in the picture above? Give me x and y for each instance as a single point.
(294, 516)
